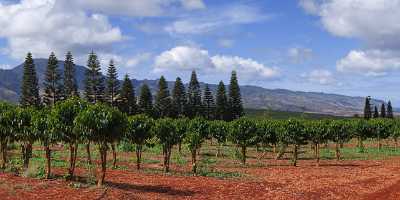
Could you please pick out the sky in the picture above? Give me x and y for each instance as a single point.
(349, 47)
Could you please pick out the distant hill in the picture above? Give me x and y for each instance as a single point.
(254, 97)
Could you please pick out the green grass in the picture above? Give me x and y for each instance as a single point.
(270, 114)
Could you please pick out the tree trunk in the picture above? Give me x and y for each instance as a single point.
(180, 146)
(4, 153)
(243, 155)
(281, 152)
(295, 155)
(26, 154)
(379, 143)
(103, 158)
(274, 148)
(194, 162)
(316, 148)
(72, 158)
(138, 155)
(337, 152)
(395, 143)
(218, 150)
(167, 154)
(48, 159)
(114, 153)
(89, 159)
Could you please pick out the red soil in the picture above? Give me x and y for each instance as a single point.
(332, 180)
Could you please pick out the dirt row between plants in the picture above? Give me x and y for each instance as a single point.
(332, 180)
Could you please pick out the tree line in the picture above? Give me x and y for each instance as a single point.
(179, 102)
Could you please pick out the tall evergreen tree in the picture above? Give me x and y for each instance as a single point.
(127, 99)
(367, 108)
(178, 98)
(376, 113)
(383, 110)
(389, 110)
(194, 106)
(235, 99)
(163, 102)
(208, 103)
(70, 85)
(94, 80)
(112, 89)
(29, 86)
(146, 100)
(221, 109)
(53, 87)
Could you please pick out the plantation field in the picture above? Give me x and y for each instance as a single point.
(372, 174)
(271, 114)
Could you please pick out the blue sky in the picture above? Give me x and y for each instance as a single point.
(335, 46)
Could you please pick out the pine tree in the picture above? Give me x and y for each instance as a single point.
(127, 99)
(70, 85)
(194, 106)
(94, 82)
(178, 99)
(29, 86)
(389, 110)
(112, 89)
(146, 100)
(208, 103)
(383, 111)
(235, 99)
(367, 108)
(163, 102)
(376, 113)
(53, 88)
(222, 107)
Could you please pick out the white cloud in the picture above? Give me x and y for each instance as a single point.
(320, 76)
(41, 27)
(299, 55)
(5, 66)
(193, 4)
(183, 58)
(191, 58)
(138, 59)
(370, 62)
(375, 22)
(216, 19)
(226, 43)
(244, 66)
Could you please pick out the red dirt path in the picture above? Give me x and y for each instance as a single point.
(332, 180)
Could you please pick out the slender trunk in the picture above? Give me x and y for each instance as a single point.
(194, 161)
(295, 155)
(341, 145)
(114, 153)
(281, 152)
(180, 146)
(395, 143)
(89, 159)
(274, 148)
(48, 159)
(26, 154)
(103, 158)
(167, 153)
(218, 150)
(138, 155)
(243, 155)
(316, 149)
(379, 143)
(337, 152)
(72, 157)
(4, 153)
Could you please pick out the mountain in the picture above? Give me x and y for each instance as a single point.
(253, 97)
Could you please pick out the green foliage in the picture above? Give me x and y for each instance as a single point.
(219, 130)
(101, 124)
(234, 98)
(221, 104)
(179, 100)
(165, 130)
(112, 89)
(53, 86)
(146, 100)
(94, 80)
(127, 99)
(70, 85)
(208, 103)
(197, 131)
(194, 107)
(30, 85)
(139, 129)
(163, 104)
(243, 132)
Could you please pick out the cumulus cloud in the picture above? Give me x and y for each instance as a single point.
(370, 62)
(191, 58)
(138, 59)
(215, 19)
(320, 76)
(41, 26)
(374, 22)
(5, 66)
(299, 55)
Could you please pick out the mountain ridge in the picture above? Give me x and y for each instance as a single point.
(254, 97)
